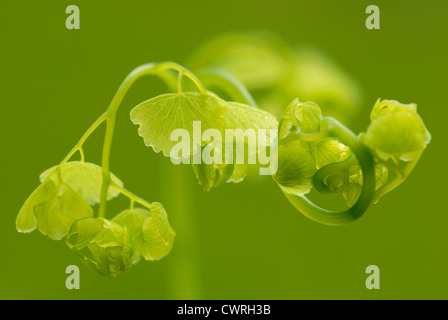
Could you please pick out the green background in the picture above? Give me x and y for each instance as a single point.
(251, 242)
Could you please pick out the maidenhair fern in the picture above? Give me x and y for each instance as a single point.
(313, 152)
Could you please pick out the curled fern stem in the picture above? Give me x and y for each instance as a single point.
(366, 161)
(322, 173)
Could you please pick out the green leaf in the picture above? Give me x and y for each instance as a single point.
(399, 135)
(308, 116)
(213, 175)
(150, 231)
(102, 244)
(337, 181)
(214, 113)
(296, 168)
(383, 107)
(133, 220)
(330, 151)
(85, 178)
(239, 173)
(158, 234)
(56, 215)
(300, 116)
(52, 208)
(353, 190)
(381, 174)
(287, 126)
(26, 219)
(245, 118)
(206, 175)
(351, 194)
(160, 116)
(84, 231)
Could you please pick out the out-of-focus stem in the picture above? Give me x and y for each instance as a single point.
(184, 278)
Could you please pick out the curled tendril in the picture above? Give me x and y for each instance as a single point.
(338, 131)
(359, 167)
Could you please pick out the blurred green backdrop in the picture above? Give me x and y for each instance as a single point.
(252, 243)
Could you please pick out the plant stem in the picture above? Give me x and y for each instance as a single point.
(365, 158)
(111, 114)
(184, 277)
(216, 77)
(84, 137)
(130, 195)
(78, 147)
